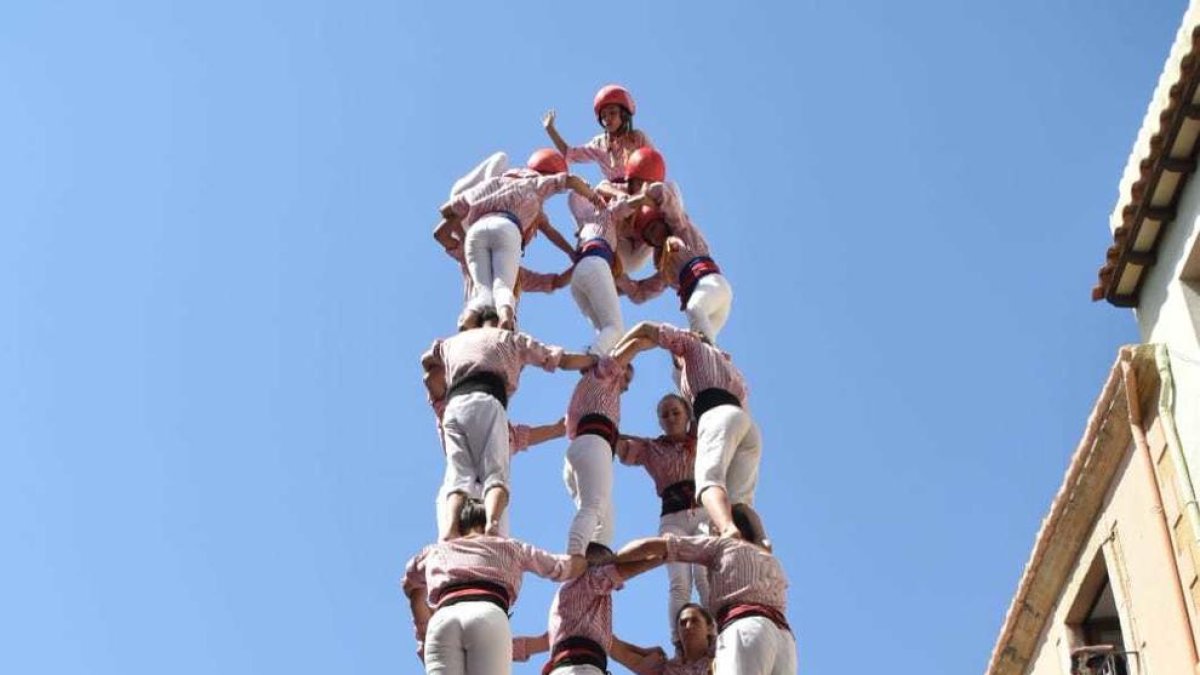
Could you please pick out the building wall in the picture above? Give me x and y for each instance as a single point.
(1131, 538)
(1169, 313)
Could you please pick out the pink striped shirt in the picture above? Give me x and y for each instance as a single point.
(494, 350)
(738, 572)
(667, 198)
(598, 391)
(594, 223)
(667, 461)
(704, 366)
(521, 195)
(582, 607)
(694, 244)
(480, 558)
(698, 667)
(610, 154)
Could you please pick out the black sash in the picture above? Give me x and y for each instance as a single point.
(472, 591)
(678, 497)
(488, 383)
(576, 651)
(711, 398)
(598, 425)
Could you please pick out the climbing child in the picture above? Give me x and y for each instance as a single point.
(614, 110)
(493, 222)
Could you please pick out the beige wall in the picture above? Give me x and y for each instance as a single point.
(1130, 537)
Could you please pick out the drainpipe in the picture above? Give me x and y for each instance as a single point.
(1166, 413)
(1143, 450)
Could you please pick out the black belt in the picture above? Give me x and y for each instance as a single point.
(474, 591)
(691, 273)
(597, 247)
(678, 497)
(484, 381)
(711, 398)
(598, 425)
(576, 651)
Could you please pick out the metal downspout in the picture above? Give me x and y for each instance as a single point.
(1143, 450)
(1166, 408)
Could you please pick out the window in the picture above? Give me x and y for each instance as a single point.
(1096, 626)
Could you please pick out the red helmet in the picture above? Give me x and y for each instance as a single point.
(644, 217)
(613, 93)
(646, 164)
(547, 161)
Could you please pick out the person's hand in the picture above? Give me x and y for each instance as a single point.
(654, 659)
(563, 278)
(560, 427)
(732, 532)
(521, 656)
(548, 119)
(576, 567)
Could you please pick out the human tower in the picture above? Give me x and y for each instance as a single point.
(704, 466)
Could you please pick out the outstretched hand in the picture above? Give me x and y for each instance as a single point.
(548, 119)
(563, 278)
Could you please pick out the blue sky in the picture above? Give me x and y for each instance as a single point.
(216, 276)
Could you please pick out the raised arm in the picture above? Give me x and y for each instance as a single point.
(640, 338)
(650, 548)
(420, 616)
(555, 236)
(525, 646)
(632, 568)
(548, 432)
(449, 232)
(434, 373)
(631, 449)
(552, 132)
(640, 660)
(577, 361)
(641, 290)
(416, 592)
(537, 282)
(580, 187)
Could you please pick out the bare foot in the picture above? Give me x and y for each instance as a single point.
(731, 532)
(508, 318)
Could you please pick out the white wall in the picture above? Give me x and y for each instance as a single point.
(1169, 313)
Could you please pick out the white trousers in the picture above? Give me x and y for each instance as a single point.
(493, 255)
(588, 473)
(728, 448)
(470, 638)
(683, 576)
(755, 646)
(594, 291)
(475, 429)
(708, 307)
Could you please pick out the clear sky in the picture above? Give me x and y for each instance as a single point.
(216, 277)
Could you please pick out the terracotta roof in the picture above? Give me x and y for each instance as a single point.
(1162, 160)
(1074, 511)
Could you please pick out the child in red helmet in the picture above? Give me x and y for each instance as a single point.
(614, 108)
(683, 259)
(493, 222)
